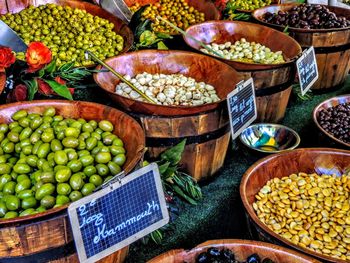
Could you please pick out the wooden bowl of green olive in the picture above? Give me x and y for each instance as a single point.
(63, 150)
(68, 28)
(300, 199)
(182, 13)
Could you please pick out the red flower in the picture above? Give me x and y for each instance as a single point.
(61, 81)
(37, 56)
(19, 93)
(44, 88)
(7, 58)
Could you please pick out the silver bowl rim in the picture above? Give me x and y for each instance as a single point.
(296, 135)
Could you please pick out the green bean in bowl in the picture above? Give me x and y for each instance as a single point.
(47, 161)
(67, 32)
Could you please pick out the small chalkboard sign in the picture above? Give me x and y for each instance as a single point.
(119, 214)
(307, 70)
(241, 104)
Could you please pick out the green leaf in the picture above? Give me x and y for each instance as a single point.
(66, 67)
(50, 68)
(285, 30)
(163, 35)
(32, 86)
(174, 154)
(61, 90)
(170, 171)
(157, 237)
(41, 73)
(162, 46)
(183, 195)
(163, 167)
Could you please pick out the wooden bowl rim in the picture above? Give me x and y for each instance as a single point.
(173, 52)
(222, 243)
(296, 135)
(242, 23)
(296, 29)
(317, 110)
(249, 209)
(137, 157)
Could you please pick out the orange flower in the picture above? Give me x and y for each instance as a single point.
(37, 56)
(7, 58)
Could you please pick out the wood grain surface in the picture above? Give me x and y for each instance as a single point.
(332, 102)
(15, 6)
(310, 160)
(241, 248)
(333, 65)
(33, 234)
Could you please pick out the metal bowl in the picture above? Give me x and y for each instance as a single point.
(269, 138)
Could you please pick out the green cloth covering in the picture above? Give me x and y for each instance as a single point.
(220, 214)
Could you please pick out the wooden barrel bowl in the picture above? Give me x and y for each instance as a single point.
(47, 237)
(332, 46)
(273, 82)
(2, 81)
(205, 127)
(15, 6)
(329, 103)
(241, 248)
(205, 6)
(308, 160)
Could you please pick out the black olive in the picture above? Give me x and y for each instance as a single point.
(227, 254)
(253, 259)
(214, 252)
(203, 258)
(267, 260)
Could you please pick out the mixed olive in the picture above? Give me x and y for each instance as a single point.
(307, 16)
(310, 210)
(249, 5)
(336, 121)
(47, 161)
(215, 255)
(178, 12)
(244, 51)
(67, 32)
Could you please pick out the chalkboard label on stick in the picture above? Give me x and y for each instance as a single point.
(119, 214)
(241, 104)
(307, 70)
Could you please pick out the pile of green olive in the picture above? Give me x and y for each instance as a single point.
(47, 161)
(249, 5)
(177, 12)
(67, 32)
